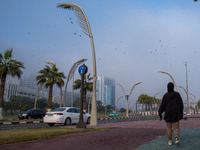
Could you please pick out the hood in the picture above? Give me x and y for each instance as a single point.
(170, 87)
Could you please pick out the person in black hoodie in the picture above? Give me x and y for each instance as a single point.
(172, 105)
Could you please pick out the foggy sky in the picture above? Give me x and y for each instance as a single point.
(133, 41)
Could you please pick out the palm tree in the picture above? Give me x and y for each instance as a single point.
(88, 86)
(50, 76)
(142, 100)
(8, 66)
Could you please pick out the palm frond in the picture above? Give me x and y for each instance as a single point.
(8, 54)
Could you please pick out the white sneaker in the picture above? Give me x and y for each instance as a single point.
(170, 143)
(177, 143)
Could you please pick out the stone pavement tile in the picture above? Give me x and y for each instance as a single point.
(189, 140)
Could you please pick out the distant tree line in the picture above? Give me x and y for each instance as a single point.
(24, 103)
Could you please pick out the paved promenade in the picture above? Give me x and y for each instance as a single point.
(137, 135)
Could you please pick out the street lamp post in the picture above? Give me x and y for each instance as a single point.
(196, 102)
(193, 102)
(171, 78)
(89, 104)
(39, 89)
(188, 101)
(154, 103)
(189, 112)
(84, 24)
(127, 96)
(116, 104)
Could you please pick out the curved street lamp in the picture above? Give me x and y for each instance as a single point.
(117, 102)
(84, 24)
(154, 104)
(39, 89)
(69, 77)
(127, 100)
(196, 101)
(171, 78)
(188, 102)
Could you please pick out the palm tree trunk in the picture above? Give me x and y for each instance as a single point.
(143, 108)
(146, 109)
(50, 98)
(3, 81)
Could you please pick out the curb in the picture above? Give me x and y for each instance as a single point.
(21, 122)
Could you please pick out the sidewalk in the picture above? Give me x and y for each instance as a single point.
(137, 135)
(189, 140)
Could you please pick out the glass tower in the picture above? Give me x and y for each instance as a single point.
(106, 90)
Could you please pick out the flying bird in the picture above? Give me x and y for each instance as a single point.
(71, 22)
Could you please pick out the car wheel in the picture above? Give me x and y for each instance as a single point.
(88, 120)
(50, 124)
(29, 117)
(68, 121)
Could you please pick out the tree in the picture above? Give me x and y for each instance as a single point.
(50, 76)
(8, 66)
(122, 110)
(142, 100)
(145, 99)
(88, 86)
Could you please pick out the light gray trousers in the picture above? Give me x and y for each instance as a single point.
(169, 129)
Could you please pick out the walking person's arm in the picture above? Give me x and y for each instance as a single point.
(162, 108)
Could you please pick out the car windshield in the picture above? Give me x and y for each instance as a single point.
(29, 111)
(58, 109)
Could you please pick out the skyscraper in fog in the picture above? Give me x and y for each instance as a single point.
(106, 90)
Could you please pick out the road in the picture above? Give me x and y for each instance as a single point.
(28, 125)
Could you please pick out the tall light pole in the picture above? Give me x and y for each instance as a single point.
(188, 101)
(188, 111)
(127, 96)
(171, 78)
(84, 24)
(116, 104)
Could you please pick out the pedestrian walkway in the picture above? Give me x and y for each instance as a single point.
(136, 135)
(189, 140)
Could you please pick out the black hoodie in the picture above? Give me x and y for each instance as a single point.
(172, 105)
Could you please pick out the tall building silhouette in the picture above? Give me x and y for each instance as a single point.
(106, 90)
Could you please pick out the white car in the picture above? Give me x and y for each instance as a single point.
(66, 116)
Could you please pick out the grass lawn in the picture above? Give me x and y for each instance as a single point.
(21, 135)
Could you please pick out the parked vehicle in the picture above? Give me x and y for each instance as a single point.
(66, 116)
(113, 115)
(32, 113)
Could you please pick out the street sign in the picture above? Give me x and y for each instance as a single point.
(82, 69)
